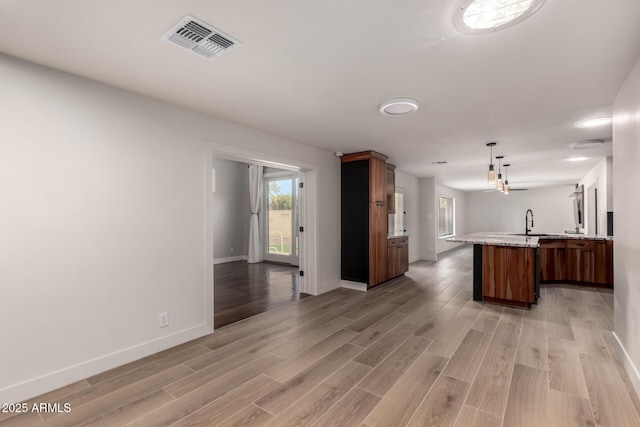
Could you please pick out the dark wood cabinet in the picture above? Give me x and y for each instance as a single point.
(580, 261)
(391, 188)
(397, 256)
(603, 262)
(587, 261)
(553, 260)
(508, 275)
(364, 217)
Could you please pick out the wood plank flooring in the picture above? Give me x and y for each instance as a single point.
(243, 290)
(416, 352)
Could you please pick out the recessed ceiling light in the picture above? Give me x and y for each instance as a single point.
(398, 106)
(576, 159)
(591, 123)
(589, 143)
(483, 16)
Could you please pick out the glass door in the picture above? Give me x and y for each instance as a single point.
(282, 206)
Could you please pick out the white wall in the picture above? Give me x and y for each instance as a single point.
(626, 206)
(460, 206)
(104, 204)
(552, 210)
(231, 210)
(428, 219)
(598, 176)
(429, 243)
(610, 184)
(411, 206)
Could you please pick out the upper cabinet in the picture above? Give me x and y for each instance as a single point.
(391, 188)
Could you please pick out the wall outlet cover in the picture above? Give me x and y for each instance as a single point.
(163, 319)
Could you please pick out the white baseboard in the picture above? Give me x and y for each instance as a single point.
(629, 366)
(328, 286)
(36, 386)
(358, 286)
(230, 259)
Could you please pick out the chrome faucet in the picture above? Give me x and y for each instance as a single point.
(526, 222)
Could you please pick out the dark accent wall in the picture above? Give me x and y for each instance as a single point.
(355, 221)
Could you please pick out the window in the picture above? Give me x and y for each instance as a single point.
(446, 216)
(396, 220)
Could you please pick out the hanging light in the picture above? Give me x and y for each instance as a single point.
(506, 179)
(492, 174)
(499, 183)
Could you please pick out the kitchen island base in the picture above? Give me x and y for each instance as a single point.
(506, 275)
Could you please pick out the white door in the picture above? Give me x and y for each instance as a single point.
(282, 202)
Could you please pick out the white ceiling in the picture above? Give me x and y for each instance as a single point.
(316, 72)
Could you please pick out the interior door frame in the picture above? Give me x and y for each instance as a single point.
(308, 246)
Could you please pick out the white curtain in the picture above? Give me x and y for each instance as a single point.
(255, 197)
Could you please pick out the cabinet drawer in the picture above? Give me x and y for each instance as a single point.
(587, 245)
(397, 241)
(552, 244)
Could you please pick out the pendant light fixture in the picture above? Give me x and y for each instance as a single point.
(499, 183)
(506, 179)
(492, 173)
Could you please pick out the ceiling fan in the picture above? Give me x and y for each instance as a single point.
(512, 189)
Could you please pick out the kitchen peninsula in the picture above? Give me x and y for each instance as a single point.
(508, 268)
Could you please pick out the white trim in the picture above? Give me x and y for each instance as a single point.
(358, 286)
(207, 285)
(310, 254)
(453, 215)
(54, 380)
(230, 259)
(244, 155)
(629, 366)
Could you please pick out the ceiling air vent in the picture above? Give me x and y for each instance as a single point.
(200, 38)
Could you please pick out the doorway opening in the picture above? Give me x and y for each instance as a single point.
(240, 289)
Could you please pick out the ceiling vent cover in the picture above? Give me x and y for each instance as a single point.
(200, 38)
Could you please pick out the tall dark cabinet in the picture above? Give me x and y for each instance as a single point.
(364, 217)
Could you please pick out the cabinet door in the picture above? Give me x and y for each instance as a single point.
(378, 181)
(377, 243)
(494, 272)
(392, 262)
(520, 264)
(508, 273)
(603, 262)
(391, 189)
(580, 261)
(552, 260)
(377, 221)
(397, 257)
(404, 258)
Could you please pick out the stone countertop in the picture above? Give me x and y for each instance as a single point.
(396, 236)
(507, 239)
(565, 236)
(496, 239)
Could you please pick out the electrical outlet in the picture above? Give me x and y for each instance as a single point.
(231, 250)
(163, 319)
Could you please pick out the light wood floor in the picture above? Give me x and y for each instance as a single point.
(415, 352)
